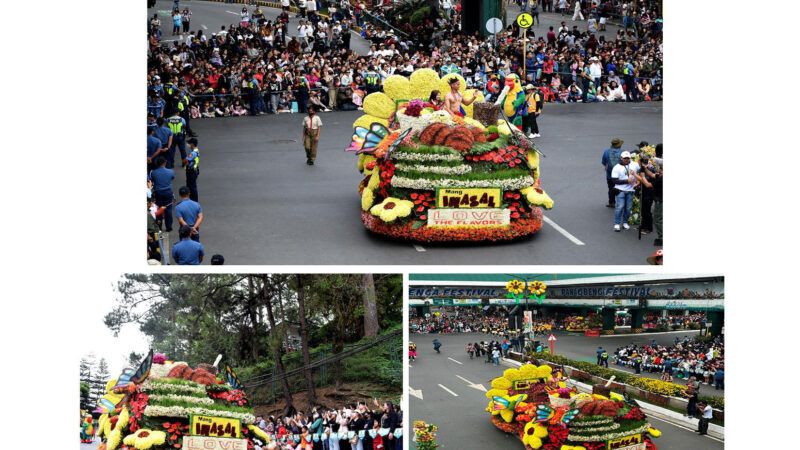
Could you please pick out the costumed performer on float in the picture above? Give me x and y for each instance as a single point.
(454, 99)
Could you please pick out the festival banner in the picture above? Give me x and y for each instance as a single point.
(213, 443)
(214, 426)
(633, 442)
(468, 217)
(468, 197)
(527, 321)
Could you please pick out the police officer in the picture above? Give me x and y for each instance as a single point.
(154, 148)
(187, 251)
(163, 133)
(637, 363)
(373, 80)
(183, 107)
(189, 213)
(192, 166)
(178, 127)
(155, 105)
(162, 189)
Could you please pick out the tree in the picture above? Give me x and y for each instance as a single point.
(277, 348)
(134, 360)
(312, 395)
(86, 401)
(100, 380)
(370, 306)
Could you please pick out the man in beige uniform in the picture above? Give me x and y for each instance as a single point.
(453, 100)
(311, 127)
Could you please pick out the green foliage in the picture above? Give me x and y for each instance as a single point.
(588, 367)
(715, 402)
(480, 172)
(418, 16)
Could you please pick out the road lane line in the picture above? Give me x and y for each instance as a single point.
(566, 233)
(415, 392)
(448, 390)
(685, 428)
(464, 379)
(204, 27)
(419, 248)
(231, 12)
(451, 359)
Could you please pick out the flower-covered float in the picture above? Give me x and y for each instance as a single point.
(434, 176)
(534, 404)
(579, 324)
(167, 404)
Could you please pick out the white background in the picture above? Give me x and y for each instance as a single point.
(73, 189)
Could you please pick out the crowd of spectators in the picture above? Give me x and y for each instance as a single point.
(259, 66)
(705, 360)
(351, 427)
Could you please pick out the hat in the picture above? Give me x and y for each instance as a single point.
(652, 258)
(616, 142)
(529, 87)
(643, 144)
(156, 77)
(625, 154)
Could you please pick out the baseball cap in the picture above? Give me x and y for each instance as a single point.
(625, 154)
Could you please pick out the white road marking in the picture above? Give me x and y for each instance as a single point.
(685, 428)
(451, 359)
(231, 12)
(448, 390)
(204, 27)
(566, 233)
(471, 384)
(419, 248)
(416, 393)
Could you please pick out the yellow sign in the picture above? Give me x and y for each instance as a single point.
(632, 442)
(223, 427)
(524, 384)
(468, 197)
(524, 20)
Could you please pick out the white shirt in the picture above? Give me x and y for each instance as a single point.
(708, 412)
(595, 70)
(495, 353)
(311, 5)
(285, 3)
(621, 172)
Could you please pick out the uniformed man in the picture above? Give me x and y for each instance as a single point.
(162, 189)
(178, 127)
(163, 133)
(189, 213)
(373, 80)
(311, 129)
(534, 100)
(187, 251)
(192, 166)
(154, 148)
(183, 108)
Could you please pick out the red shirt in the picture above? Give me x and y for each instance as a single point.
(377, 442)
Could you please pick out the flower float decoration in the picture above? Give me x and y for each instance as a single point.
(425, 435)
(151, 408)
(479, 182)
(534, 404)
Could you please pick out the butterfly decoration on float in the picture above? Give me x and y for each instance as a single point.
(555, 416)
(378, 140)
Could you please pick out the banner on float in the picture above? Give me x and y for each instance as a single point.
(468, 197)
(633, 442)
(223, 427)
(468, 217)
(213, 443)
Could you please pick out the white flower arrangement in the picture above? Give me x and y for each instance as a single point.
(583, 425)
(151, 385)
(447, 170)
(183, 398)
(511, 184)
(600, 429)
(402, 155)
(605, 437)
(425, 119)
(180, 411)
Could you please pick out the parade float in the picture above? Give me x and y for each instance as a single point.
(167, 404)
(534, 404)
(579, 324)
(432, 176)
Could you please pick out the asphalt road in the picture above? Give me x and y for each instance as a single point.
(264, 205)
(210, 16)
(460, 414)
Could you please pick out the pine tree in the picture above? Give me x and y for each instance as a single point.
(100, 379)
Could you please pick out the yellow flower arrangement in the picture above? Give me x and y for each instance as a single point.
(533, 434)
(533, 161)
(397, 87)
(374, 181)
(573, 447)
(261, 434)
(537, 196)
(361, 162)
(479, 98)
(654, 432)
(658, 386)
(144, 439)
(122, 422)
(379, 104)
(537, 288)
(392, 208)
(423, 81)
(515, 287)
(101, 424)
(367, 199)
(366, 120)
(474, 123)
(114, 438)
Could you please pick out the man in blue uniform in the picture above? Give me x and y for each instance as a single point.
(162, 188)
(163, 133)
(187, 251)
(178, 127)
(192, 166)
(189, 213)
(154, 148)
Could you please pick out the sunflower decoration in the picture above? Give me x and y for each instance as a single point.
(533, 434)
(144, 439)
(391, 209)
(515, 287)
(538, 289)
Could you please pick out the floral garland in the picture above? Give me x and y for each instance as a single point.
(510, 184)
(180, 411)
(401, 155)
(517, 228)
(605, 437)
(582, 424)
(184, 398)
(582, 429)
(152, 385)
(446, 170)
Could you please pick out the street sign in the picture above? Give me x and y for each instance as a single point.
(524, 20)
(552, 337)
(494, 25)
